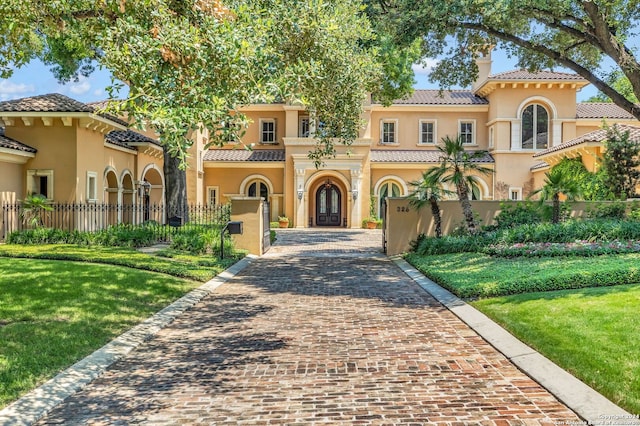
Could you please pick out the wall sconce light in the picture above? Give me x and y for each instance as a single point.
(355, 194)
(300, 194)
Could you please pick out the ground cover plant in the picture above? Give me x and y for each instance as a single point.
(54, 313)
(592, 333)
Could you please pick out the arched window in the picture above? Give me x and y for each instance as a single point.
(258, 189)
(387, 189)
(535, 127)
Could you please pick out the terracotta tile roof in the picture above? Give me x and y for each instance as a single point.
(236, 155)
(125, 137)
(101, 105)
(599, 135)
(540, 75)
(539, 166)
(413, 156)
(6, 142)
(446, 97)
(53, 102)
(601, 110)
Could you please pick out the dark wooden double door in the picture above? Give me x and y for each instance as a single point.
(328, 206)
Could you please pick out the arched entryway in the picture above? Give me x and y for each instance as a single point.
(328, 204)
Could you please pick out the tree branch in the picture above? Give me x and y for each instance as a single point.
(558, 57)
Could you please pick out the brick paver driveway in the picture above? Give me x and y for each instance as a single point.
(328, 332)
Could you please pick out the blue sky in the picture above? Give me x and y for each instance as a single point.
(37, 79)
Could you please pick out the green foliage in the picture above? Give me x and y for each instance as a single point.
(590, 186)
(621, 84)
(558, 323)
(607, 210)
(201, 240)
(620, 163)
(558, 181)
(514, 213)
(34, 207)
(459, 168)
(542, 35)
(473, 275)
(55, 313)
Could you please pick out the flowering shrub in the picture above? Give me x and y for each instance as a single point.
(576, 248)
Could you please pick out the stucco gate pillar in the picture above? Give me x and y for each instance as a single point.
(301, 197)
(356, 193)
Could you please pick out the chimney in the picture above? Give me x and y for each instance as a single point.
(483, 61)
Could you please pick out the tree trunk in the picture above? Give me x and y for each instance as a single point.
(175, 181)
(467, 211)
(555, 215)
(435, 210)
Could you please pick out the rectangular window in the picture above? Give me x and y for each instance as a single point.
(304, 127)
(388, 132)
(515, 194)
(268, 131)
(428, 132)
(466, 132)
(92, 186)
(40, 182)
(212, 196)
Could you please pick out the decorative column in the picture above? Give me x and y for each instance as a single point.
(356, 194)
(300, 197)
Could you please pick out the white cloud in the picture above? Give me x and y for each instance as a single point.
(98, 92)
(81, 87)
(9, 89)
(425, 66)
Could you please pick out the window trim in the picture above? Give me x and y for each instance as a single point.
(264, 121)
(217, 191)
(473, 130)
(92, 187)
(393, 121)
(435, 132)
(518, 191)
(33, 173)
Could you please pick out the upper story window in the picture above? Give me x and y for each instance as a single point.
(535, 127)
(427, 131)
(388, 131)
(466, 131)
(304, 127)
(268, 130)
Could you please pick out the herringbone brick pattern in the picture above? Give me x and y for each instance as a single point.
(314, 340)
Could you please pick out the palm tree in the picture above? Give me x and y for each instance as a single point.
(558, 181)
(429, 191)
(459, 168)
(33, 207)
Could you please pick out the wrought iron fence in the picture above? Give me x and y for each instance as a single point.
(95, 216)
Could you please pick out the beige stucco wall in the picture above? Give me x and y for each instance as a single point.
(408, 127)
(11, 182)
(56, 147)
(404, 224)
(249, 212)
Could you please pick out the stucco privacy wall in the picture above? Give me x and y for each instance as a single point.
(404, 223)
(248, 210)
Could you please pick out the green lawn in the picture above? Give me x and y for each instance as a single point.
(55, 312)
(593, 333)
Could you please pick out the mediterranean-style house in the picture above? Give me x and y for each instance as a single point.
(527, 122)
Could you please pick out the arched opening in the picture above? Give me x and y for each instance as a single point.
(535, 127)
(152, 195)
(328, 203)
(128, 198)
(388, 188)
(111, 188)
(258, 188)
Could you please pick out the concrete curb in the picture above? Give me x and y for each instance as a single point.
(584, 401)
(40, 401)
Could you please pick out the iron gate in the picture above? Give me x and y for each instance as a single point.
(383, 213)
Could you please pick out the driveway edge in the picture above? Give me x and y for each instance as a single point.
(587, 403)
(34, 405)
